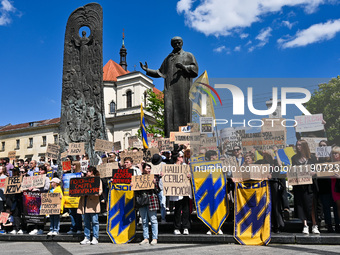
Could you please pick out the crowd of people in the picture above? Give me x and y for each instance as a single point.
(312, 202)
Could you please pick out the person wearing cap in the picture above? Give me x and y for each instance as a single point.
(156, 160)
(55, 219)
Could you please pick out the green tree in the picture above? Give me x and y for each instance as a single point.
(326, 100)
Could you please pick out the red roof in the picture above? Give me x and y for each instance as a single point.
(27, 125)
(158, 92)
(112, 70)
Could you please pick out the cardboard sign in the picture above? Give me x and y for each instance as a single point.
(230, 137)
(208, 143)
(175, 180)
(142, 182)
(75, 149)
(251, 172)
(84, 186)
(133, 140)
(165, 144)
(187, 138)
(117, 146)
(264, 141)
(84, 165)
(4, 217)
(154, 142)
(313, 142)
(137, 157)
(105, 170)
(122, 176)
(13, 185)
(206, 124)
(309, 123)
(37, 181)
(230, 161)
(328, 169)
(156, 169)
(50, 204)
(147, 154)
(64, 154)
(270, 125)
(103, 145)
(323, 152)
(66, 165)
(52, 151)
(299, 175)
(11, 155)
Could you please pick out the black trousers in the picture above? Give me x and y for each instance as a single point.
(182, 213)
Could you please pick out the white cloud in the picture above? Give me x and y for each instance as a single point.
(237, 48)
(242, 36)
(5, 10)
(315, 33)
(221, 17)
(220, 49)
(288, 24)
(264, 34)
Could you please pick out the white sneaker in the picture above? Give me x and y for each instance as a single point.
(305, 230)
(315, 229)
(20, 232)
(55, 233)
(220, 232)
(34, 232)
(145, 241)
(40, 232)
(185, 231)
(209, 233)
(85, 241)
(94, 241)
(13, 232)
(154, 242)
(177, 232)
(50, 233)
(71, 232)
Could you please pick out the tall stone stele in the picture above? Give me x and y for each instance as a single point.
(82, 104)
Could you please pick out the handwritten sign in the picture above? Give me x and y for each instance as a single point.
(323, 152)
(52, 151)
(50, 204)
(230, 137)
(299, 175)
(165, 144)
(64, 154)
(156, 169)
(76, 149)
(264, 140)
(184, 138)
(84, 186)
(133, 140)
(328, 169)
(4, 217)
(309, 123)
(208, 143)
(121, 176)
(11, 155)
(2, 183)
(105, 170)
(137, 157)
(175, 180)
(313, 142)
(117, 146)
(66, 165)
(142, 182)
(84, 165)
(13, 185)
(37, 181)
(103, 145)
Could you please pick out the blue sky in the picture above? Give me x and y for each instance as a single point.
(230, 39)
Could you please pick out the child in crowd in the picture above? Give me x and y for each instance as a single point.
(55, 219)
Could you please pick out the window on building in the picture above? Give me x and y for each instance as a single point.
(112, 107)
(145, 96)
(55, 137)
(30, 142)
(43, 141)
(3, 146)
(17, 147)
(128, 99)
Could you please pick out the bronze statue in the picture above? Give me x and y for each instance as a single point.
(177, 69)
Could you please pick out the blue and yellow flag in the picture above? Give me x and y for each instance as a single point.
(252, 213)
(121, 217)
(142, 125)
(210, 193)
(286, 155)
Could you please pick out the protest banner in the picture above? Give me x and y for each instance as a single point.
(76, 149)
(271, 124)
(4, 217)
(187, 138)
(327, 169)
(13, 185)
(184, 129)
(84, 186)
(31, 207)
(37, 181)
(148, 153)
(313, 142)
(66, 165)
(105, 170)
(117, 146)
(149, 138)
(142, 182)
(64, 154)
(11, 155)
(103, 145)
(50, 204)
(206, 125)
(52, 151)
(137, 156)
(309, 123)
(323, 151)
(263, 141)
(3, 183)
(165, 144)
(122, 176)
(175, 180)
(299, 175)
(257, 172)
(70, 202)
(230, 137)
(156, 169)
(134, 141)
(154, 142)
(208, 143)
(83, 165)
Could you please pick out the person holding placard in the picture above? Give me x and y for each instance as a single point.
(89, 206)
(304, 195)
(55, 219)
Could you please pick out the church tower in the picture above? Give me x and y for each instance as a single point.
(123, 54)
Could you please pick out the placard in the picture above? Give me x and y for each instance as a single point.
(52, 151)
(175, 180)
(50, 204)
(264, 141)
(156, 169)
(31, 207)
(313, 142)
(142, 182)
(13, 185)
(66, 165)
(323, 151)
(137, 157)
(70, 202)
(121, 176)
(230, 137)
(309, 123)
(84, 186)
(75, 149)
(11, 155)
(208, 143)
(165, 144)
(117, 146)
(327, 169)
(84, 165)
(230, 161)
(36, 181)
(154, 142)
(148, 153)
(206, 125)
(3, 183)
(4, 217)
(103, 145)
(251, 172)
(187, 138)
(133, 140)
(105, 170)
(299, 175)
(194, 127)
(64, 154)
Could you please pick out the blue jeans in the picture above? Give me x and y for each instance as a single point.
(75, 220)
(55, 223)
(162, 201)
(88, 219)
(147, 215)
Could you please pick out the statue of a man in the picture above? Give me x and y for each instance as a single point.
(177, 69)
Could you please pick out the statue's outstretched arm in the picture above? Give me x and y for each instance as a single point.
(150, 72)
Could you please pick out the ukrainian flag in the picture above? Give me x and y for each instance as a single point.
(286, 155)
(142, 124)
